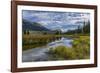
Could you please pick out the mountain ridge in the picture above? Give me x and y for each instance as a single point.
(33, 26)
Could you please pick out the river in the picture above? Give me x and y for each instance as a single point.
(40, 53)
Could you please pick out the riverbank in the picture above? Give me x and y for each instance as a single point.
(80, 50)
(63, 49)
(41, 53)
(32, 41)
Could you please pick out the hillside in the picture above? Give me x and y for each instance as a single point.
(33, 26)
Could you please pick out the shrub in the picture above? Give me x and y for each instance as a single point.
(63, 53)
(80, 50)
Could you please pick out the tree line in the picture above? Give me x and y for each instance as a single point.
(85, 29)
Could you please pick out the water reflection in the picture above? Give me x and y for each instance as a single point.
(63, 41)
(39, 53)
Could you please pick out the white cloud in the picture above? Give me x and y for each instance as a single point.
(56, 20)
(45, 23)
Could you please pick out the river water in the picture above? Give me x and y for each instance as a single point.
(40, 53)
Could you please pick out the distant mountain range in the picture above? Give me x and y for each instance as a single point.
(33, 26)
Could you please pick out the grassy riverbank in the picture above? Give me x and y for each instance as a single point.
(80, 50)
(32, 41)
(80, 46)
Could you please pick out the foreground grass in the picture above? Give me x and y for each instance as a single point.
(80, 50)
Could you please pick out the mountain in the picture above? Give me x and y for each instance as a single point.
(34, 26)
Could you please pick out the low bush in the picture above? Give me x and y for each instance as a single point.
(80, 50)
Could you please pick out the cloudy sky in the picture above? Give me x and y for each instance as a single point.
(56, 20)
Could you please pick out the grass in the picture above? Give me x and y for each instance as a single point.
(61, 53)
(80, 50)
(32, 41)
(80, 46)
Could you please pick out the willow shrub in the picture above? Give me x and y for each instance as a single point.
(80, 50)
(62, 52)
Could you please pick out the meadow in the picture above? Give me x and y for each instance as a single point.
(32, 41)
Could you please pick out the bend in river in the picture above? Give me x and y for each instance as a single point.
(40, 53)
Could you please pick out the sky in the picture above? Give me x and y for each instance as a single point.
(56, 20)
